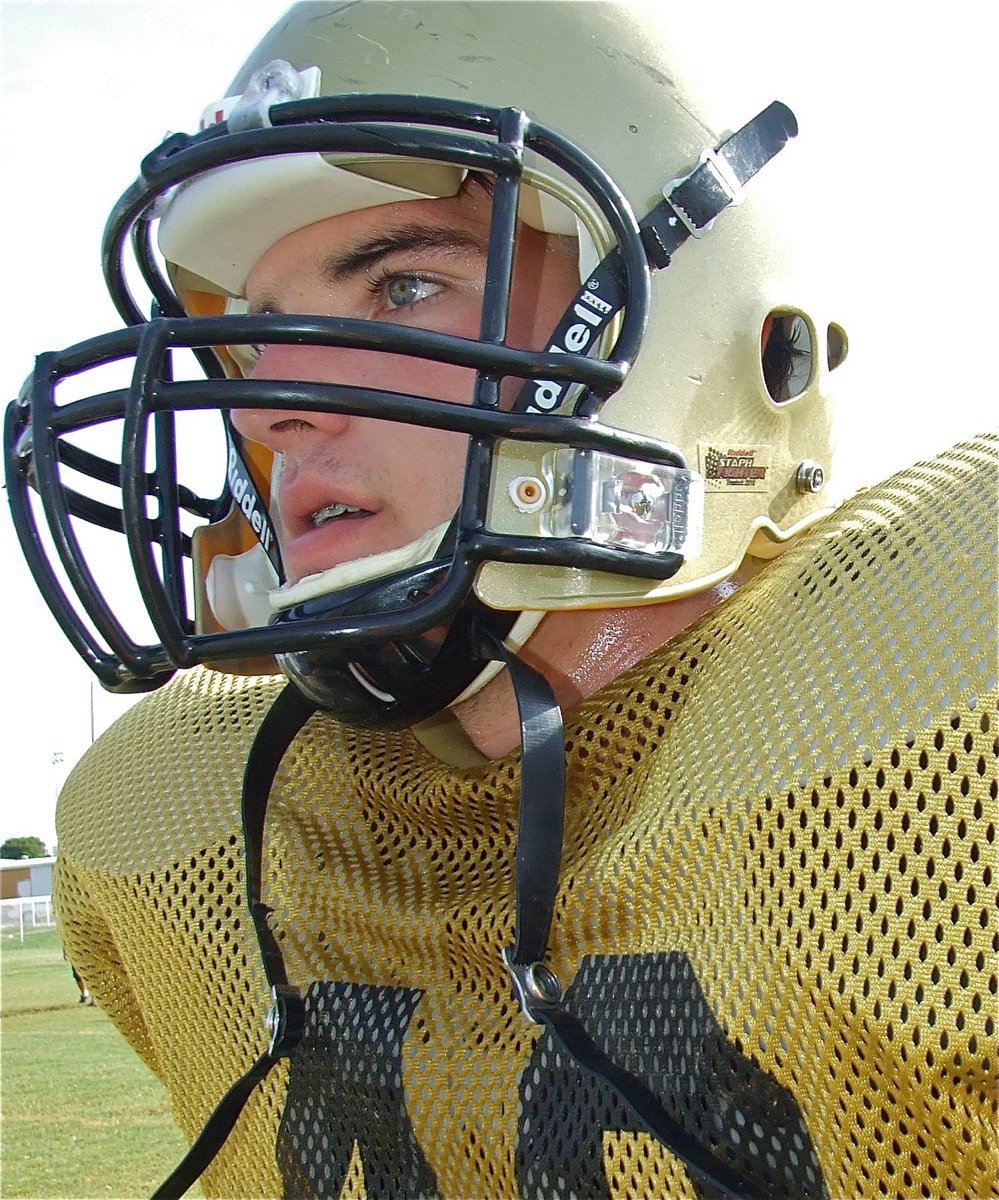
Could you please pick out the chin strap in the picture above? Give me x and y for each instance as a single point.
(692, 203)
(286, 1018)
(537, 987)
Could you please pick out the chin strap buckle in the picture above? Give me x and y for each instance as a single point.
(536, 986)
(691, 204)
(715, 187)
(285, 1020)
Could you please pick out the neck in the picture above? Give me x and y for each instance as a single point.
(578, 652)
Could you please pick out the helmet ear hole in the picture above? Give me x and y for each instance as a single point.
(837, 345)
(787, 355)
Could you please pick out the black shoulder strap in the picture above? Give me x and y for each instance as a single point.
(285, 719)
(286, 1019)
(542, 796)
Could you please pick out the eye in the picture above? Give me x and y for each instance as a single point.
(403, 290)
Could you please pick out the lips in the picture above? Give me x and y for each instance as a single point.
(320, 529)
(309, 500)
(312, 548)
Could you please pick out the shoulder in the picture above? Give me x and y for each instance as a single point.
(900, 574)
(167, 775)
(939, 514)
(907, 567)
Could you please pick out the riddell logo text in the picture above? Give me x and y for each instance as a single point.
(575, 339)
(245, 495)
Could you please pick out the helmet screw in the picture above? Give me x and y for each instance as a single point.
(810, 477)
(528, 493)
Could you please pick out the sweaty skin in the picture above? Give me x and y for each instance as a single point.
(578, 652)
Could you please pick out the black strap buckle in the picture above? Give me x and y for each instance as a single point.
(691, 203)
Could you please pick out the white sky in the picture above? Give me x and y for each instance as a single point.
(897, 90)
(88, 90)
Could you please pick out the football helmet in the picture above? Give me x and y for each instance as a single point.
(678, 419)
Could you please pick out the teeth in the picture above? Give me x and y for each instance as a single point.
(330, 512)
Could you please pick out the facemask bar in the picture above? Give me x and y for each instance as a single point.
(402, 126)
(36, 453)
(156, 543)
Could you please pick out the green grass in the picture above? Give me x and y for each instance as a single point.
(82, 1116)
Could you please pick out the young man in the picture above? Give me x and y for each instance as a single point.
(420, 263)
(497, 403)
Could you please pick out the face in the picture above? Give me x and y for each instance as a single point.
(356, 486)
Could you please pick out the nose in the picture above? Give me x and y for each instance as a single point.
(281, 429)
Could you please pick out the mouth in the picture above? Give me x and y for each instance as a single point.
(335, 512)
(322, 530)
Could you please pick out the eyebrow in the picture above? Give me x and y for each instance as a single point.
(363, 256)
(339, 266)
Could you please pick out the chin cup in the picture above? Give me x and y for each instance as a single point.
(400, 681)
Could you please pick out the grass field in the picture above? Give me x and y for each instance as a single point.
(81, 1114)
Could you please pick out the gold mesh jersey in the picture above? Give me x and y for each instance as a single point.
(777, 902)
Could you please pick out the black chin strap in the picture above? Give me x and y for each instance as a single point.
(286, 1018)
(537, 987)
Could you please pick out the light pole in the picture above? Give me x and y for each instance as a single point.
(56, 764)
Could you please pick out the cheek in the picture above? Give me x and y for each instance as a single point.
(365, 369)
(428, 467)
(435, 381)
(385, 372)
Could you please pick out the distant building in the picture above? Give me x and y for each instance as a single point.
(24, 877)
